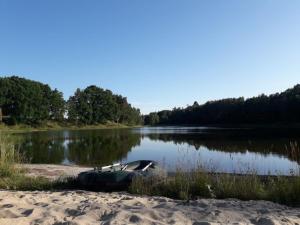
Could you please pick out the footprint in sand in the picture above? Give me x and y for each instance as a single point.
(217, 212)
(41, 204)
(7, 214)
(74, 212)
(201, 223)
(10, 214)
(134, 219)
(127, 198)
(263, 221)
(6, 206)
(27, 212)
(65, 223)
(107, 216)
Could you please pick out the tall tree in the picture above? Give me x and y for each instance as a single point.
(27, 101)
(95, 105)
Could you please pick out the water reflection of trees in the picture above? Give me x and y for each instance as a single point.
(235, 144)
(95, 149)
(41, 149)
(102, 147)
(80, 147)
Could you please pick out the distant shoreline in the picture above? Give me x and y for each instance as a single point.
(65, 126)
(232, 126)
(57, 127)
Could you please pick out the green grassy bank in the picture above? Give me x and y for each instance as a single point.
(60, 126)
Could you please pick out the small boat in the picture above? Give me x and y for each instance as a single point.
(118, 176)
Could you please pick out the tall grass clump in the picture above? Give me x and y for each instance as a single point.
(184, 184)
(244, 187)
(9, 156)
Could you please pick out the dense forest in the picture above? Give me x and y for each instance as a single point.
(276, 108)
(24, 101)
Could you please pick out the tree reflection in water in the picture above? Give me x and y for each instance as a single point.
(102, 147)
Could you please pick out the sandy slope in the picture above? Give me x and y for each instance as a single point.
(80, 207)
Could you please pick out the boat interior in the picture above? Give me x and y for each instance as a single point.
(141, 165)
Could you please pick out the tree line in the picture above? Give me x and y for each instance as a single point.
(276, 108)
(31, 102)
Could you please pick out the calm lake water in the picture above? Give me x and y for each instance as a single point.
(217, 149)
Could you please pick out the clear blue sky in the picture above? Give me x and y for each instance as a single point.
(158, 53)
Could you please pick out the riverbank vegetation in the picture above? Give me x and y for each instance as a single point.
(25, 103)
(198, 183)
(279, 108)
(49, 125)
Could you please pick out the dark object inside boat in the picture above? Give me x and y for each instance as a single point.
(118, 176)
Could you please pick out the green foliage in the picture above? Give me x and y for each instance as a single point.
(29, 102)
(152, 119)
(95, 105)
(8, 156)
(284, 190)
(277, 108)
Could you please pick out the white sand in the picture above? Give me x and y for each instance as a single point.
(53, 171)
(80, 207)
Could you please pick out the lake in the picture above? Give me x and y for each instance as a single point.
(267, 151)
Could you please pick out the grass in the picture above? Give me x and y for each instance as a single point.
(180, 186)
(59, 126)
(284, 190)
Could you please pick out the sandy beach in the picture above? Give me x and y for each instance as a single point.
(51, 171)
(81, 207)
